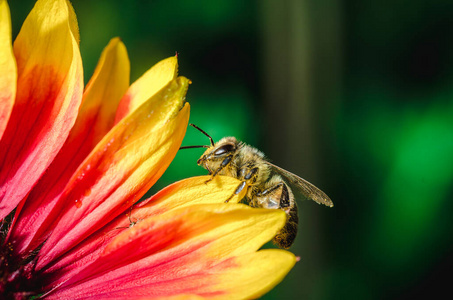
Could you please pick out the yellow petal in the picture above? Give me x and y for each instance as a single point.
(106, 88)
(45, 44)
(147, 85)
(254, 274)
(72, 22)
(187, 192)
(8, 71)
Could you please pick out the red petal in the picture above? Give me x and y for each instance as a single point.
(122, 167)
(96, 117)
(182, 252)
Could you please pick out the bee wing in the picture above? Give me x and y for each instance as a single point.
(306, 188)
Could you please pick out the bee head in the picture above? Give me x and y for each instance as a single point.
(218, 152)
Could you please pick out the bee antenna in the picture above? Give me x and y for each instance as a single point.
(189, 147)
(202, 131)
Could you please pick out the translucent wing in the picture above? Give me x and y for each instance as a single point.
(306, 188)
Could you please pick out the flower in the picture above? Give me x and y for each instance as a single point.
(74, 161)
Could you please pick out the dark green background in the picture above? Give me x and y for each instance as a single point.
(355, 96)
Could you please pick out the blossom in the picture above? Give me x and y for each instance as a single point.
(74, 161)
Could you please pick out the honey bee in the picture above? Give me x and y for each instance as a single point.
(267, 185)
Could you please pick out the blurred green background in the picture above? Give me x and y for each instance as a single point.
(355, 96)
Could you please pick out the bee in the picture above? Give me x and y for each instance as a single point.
(267, 185)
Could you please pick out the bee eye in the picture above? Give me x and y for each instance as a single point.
(224, 149)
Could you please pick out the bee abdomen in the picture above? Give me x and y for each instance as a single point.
(286, 236)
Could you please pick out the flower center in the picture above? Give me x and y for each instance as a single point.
(17, 276)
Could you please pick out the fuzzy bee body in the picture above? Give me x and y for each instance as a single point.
(266, 185)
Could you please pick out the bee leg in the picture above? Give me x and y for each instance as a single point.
(224, 163)
(248, 177)
(237, 191)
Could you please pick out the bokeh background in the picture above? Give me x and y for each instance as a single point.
(355, 96)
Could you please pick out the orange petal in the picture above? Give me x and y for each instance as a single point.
(189, 250)
(233, 229)
(147, 85)
(122, 167)
(180, 194)
(8, 71)
(100, 100)
(49, 92)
